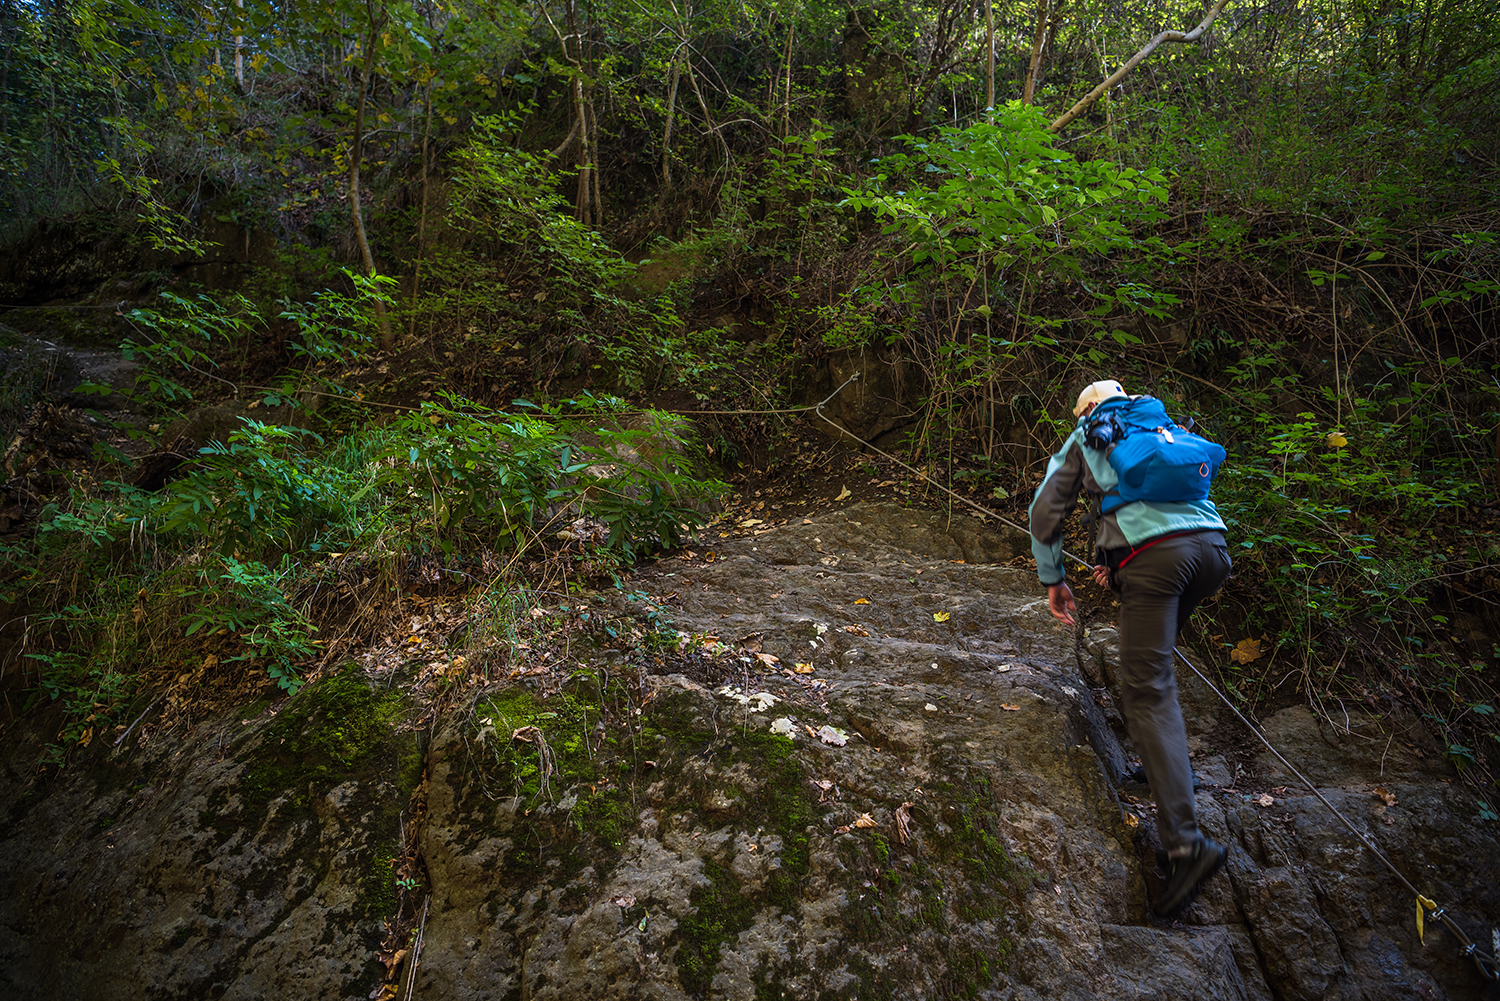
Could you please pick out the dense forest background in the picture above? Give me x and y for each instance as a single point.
(385, 222)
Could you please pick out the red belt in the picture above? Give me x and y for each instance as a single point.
(1160, 538)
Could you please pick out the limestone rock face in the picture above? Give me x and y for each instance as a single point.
(896, 777)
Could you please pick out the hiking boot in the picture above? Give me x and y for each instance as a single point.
(1138, 776)
(1186, 875)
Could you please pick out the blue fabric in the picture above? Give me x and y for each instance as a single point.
(1076, 467)
(1157, 461)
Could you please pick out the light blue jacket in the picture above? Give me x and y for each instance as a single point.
(1075, 467)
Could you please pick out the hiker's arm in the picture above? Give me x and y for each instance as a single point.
(1054, 501)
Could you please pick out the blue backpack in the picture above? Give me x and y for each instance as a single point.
(1155, 459)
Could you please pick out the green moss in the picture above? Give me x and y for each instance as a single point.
(379, 886)
(720, 912)
(325, 734)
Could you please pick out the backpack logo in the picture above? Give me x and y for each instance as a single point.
(1154, 458)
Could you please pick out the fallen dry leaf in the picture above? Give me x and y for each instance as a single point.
(856, 630)
(1131, 820)
(832, 735)
(805, 669)
(769, 659)
(624, 903)
(844, 494)
(1010, 708)
(751, 522)
(865, 820)
(1245, 651)
(861, 601)
(1265, 799)
(941, 616)
(841, 830)
(1384, 794)
(903, 823)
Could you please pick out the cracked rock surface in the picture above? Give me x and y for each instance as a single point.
(907, 782)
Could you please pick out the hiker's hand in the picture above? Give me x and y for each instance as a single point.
(1060, 602)
(1101, 576)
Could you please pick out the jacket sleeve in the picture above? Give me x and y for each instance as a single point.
(1054, 501)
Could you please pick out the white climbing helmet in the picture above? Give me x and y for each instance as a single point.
(1097, 392)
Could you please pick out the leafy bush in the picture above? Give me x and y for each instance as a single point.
(515, 474)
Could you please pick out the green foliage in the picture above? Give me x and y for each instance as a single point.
(337, 327)
(177, 337)
(241, 533)
(250, 605)
(516, 474)
(261, 488)
(1000, 191)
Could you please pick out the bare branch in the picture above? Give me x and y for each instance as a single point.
(1119, 74)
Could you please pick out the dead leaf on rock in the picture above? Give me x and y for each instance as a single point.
(805, 669)
(751, 522)
(1385, 795)
(769, 659)
(903, 823)
(1245, 651)
(1010, 708)
(832, 735)
(861, 601)
(1131, 820)
(1265, 799)
(941, 616)
(856, 631)
(625, 903)
(865, 820)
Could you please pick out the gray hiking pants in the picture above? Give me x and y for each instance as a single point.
(1159, 588)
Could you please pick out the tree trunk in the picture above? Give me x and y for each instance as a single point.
(239, 49)
(387, 339)
(416, 280)
(666, 139)
(989, 47)
(1036, 51)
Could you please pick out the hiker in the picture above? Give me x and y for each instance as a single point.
(1161, 558)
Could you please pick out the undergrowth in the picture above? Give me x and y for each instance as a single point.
(223, 564)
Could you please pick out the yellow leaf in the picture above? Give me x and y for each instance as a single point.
(1336, 440)
(1421, 903)
(844, 494)
(1246, 651)
(940, 616)
(1131, 820)
(861, 601)
(804, 669)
